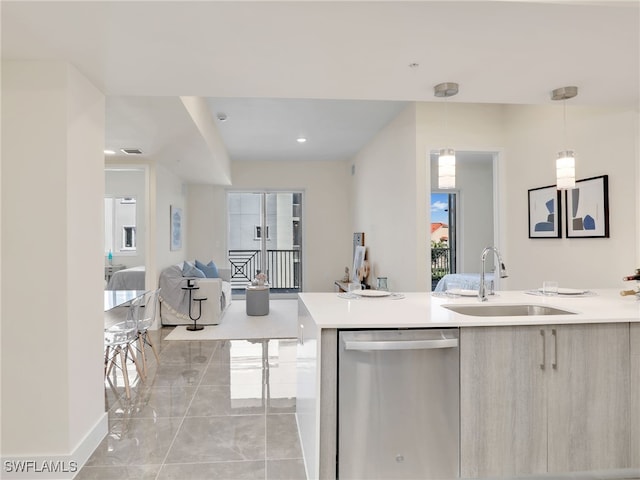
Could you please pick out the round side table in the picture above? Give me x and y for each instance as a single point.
(257, 299)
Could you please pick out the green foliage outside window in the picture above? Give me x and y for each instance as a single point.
(439, 259)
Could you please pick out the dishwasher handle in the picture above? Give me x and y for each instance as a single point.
(400, 345)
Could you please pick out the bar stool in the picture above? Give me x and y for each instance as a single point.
(146, 317)
(119, 341)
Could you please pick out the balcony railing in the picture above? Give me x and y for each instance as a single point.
(440, 264)
(284, 268)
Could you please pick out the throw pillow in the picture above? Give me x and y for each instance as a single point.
(210, 270)
(190, 270)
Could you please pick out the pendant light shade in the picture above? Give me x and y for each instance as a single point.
(566, 161)
(447, 169)
(447, 157)
(566, 170)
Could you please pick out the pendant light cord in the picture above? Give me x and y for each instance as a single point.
(446, 120)
(564, 120)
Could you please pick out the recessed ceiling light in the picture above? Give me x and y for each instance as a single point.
(222, 117)
(109, 152)
(301, 139)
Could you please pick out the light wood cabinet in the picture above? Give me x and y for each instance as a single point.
(538, 399)
(588, 398)
(635, 394)
(502, 402)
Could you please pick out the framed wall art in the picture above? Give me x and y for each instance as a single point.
(587, 208)
(176, 227)
(544, 212)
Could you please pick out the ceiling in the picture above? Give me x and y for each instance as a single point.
(334, 129)
(335, 72)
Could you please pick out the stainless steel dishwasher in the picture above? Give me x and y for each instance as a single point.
(398, 404)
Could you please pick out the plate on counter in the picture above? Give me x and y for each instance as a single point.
(569, 291)
(371, 293)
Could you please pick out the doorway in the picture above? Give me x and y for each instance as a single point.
(265, 236)
(473, 207)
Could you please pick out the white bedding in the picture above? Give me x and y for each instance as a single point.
(128, 279)
(470, 281)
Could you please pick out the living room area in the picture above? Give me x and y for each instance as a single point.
(83, 79)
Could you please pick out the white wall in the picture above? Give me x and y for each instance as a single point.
(123, 183)
(52, 262)
(476, 208)
(527, 139)
(605, 141)
(391, 189)
(170, 190)
(384, 192)
(326, 237)
(207, 225)
(218, 166)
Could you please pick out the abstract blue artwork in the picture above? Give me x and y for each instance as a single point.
(588, 208)
(544, 212)
(176, 227)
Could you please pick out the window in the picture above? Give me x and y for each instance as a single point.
(258, 232)
(120, 225)
(129, 237)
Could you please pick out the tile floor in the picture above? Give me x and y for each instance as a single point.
(209, 410)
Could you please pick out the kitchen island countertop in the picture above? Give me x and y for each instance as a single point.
(424, 310)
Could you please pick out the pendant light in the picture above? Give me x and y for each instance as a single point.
(447, 156)
(566, 161)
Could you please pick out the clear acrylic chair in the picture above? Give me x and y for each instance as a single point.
(146, 316)
(119, 341)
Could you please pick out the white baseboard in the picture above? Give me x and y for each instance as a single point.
(55, 467)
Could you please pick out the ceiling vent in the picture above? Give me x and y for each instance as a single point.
(132, 151)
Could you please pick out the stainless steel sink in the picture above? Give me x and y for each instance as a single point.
(506, 310)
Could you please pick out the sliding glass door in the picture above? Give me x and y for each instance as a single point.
(265, 235)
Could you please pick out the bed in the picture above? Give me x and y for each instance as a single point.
(468, 281)
(127, 279)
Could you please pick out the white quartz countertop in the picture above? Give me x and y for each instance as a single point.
(424, 310)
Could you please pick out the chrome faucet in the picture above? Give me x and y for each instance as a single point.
(482, 290)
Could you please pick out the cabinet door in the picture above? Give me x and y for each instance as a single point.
(635, 394)
(589, 395)
(503, 418)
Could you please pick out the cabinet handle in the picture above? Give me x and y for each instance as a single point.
(554, 365)
(301, 331)
(543, 349)
(401, 345)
